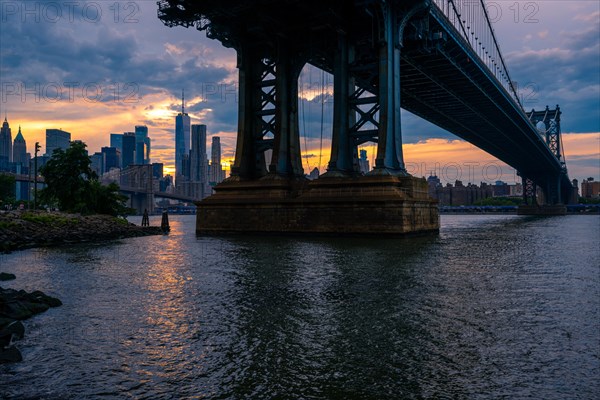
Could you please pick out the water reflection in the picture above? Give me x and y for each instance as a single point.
(492, 307)
(302, 312)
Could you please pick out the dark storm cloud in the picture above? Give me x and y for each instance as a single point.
(161, 147)
(567, 74)
(40, 55)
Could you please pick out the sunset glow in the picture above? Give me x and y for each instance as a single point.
(137, 72)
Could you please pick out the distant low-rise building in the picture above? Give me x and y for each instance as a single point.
(363, 162)
(590, 188)
(457, 194)
(314, 174)
(500, 189)
(515, 190)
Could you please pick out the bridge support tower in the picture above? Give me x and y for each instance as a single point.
(137, 179)
(141, 202)
(554, 193)
(278, 197)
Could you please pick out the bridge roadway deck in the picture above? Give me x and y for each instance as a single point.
(165, 195)
(443, 81)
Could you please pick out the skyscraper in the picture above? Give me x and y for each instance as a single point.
(56, 139)
(97, 163)
(199, 163)
(157, 170)
(198, 159)
(116, 141)
(142, 155)
(216, 171)
(128, 152)
(20, 150)
(182, 139)
(111, 158)
(5, 145)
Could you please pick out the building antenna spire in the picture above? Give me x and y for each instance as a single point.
(182, 101)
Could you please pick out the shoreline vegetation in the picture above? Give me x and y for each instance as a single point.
(21, 230)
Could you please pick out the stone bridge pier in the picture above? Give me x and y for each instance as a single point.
(137, 183)
(141, 202)
(277, 197)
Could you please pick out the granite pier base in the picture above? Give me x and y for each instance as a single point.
(365, 205)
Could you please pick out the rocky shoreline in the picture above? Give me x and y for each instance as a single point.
(16, 306)
(27, 229)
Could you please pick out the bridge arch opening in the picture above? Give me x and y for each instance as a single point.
(315, 110)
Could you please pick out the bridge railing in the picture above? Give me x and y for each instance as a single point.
(472, 20)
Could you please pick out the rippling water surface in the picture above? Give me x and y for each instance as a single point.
(493, 307)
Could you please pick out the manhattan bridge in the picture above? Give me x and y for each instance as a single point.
(438, 59)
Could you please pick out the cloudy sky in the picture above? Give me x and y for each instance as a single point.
(100, 67)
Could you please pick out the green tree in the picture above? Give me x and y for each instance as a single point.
(7, 188)
(73, 186)
(106, 199)
(499, 201)
(584, 200)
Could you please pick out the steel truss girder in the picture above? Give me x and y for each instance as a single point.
(233, 24)
(267, 116)
(529, 191)
(423, 70)
(365, 117)
(381, 106)
(551, 120)
(266, 113)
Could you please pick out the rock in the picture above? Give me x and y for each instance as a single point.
(20, 305)
(13, 331)
(15, 328)
(45, 299)
(15, 306)
(10, 355)
(5, 322)
(4, 276)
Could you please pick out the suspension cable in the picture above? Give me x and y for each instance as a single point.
(304, 122)
(510, 82)
(463, 16)
(322, 116)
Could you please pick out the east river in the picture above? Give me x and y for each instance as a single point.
(494, 307)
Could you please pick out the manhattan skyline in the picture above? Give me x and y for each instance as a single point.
(120, 67)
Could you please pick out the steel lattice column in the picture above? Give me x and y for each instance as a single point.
(255, 114)
(389, 150)
(344, 152)
(268, 113)
(286, 160)
(529, 191)
(553, 190)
